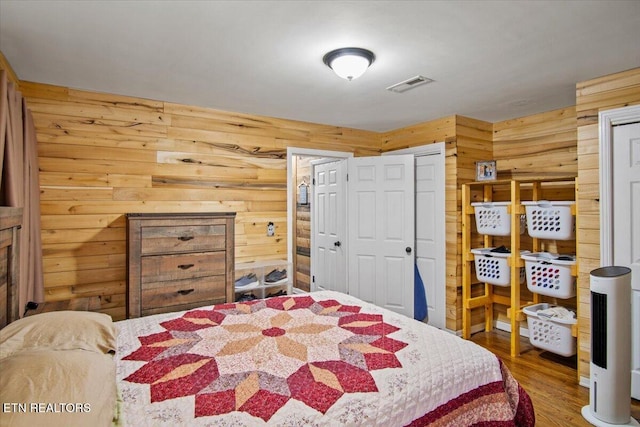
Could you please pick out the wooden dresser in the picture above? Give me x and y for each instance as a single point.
(10, 223)
(178, 261)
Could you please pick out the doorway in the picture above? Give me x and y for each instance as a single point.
(429, 244)
(620, 187)
(298, 214)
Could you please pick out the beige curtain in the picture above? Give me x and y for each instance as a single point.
(4, 118)
(19, 185)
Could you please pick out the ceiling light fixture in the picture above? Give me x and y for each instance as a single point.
(349, 62)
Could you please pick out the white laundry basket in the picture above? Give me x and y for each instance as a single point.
(550, 220)
(493, 267)
(552, 334)
(493, 219)
(548, 275)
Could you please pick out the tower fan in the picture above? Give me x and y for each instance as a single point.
(610, 391)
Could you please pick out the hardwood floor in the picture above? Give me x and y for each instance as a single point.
(550, 380)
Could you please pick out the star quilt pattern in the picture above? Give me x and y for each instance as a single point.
(256, 356)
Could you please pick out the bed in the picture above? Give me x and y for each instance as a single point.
(324, 358)
(319, 359)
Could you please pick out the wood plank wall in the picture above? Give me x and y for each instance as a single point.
(592, 96)
(102, 156)
(540, 146)
(474, 143)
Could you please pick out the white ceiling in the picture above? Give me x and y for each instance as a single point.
(491, 60)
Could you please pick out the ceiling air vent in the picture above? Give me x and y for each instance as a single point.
(411, 83)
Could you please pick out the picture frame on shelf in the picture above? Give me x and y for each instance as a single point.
(486, 170)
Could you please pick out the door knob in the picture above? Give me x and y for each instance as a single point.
(337, 243)
(408, 249)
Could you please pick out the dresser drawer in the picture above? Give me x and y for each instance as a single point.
(182, 238)
(160, 268)
(178, 292)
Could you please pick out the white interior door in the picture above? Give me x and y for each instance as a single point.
(381, 211)
(328, 228)
(626, 225)
(430, 227)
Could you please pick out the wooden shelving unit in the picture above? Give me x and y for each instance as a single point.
(488, 298)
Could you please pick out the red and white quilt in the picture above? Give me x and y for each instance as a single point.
(316, 359)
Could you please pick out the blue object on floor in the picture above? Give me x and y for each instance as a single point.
(419, 297)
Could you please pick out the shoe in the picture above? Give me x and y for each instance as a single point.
(247, 281)
(246, 297)
(277, 294)
(276, 276)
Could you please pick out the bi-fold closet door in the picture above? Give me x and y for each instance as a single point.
(363, 229)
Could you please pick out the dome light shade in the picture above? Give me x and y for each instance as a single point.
(349, 62)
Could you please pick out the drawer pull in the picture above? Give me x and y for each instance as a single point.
(185, 238)
(185, 266)
(185, 291)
